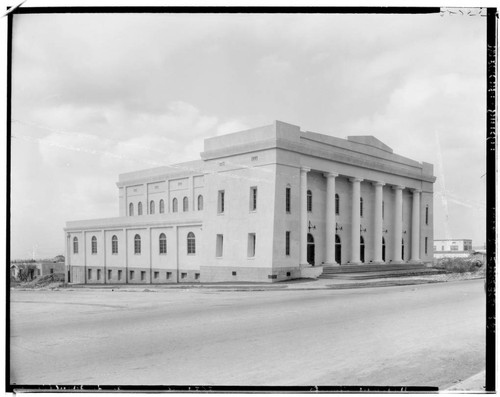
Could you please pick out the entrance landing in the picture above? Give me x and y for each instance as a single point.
(372, 271)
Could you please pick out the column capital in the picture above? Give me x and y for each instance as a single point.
(330, 174)
(355, 180)
(416, 191)
(305, 169)
(398, 187)
(378, 184)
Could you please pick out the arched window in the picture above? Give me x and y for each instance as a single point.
(94, 244)
(338, 249)
(185, 204)
(151, 207)
(200, 202)
(426, 214)
(337, 204)
(309, 201)
(383, 249)
(362, 249)
(114, 245)
(139, 208)
(137, 244)
(361, 207)
(131, 209)
(403, 249)
(163, 243)
(75, 245)
(162, 206)
(191, 243)
(174, 205)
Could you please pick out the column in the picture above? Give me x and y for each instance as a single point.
(104, 254)
(303, 215)
(415, 227)
(355, 220)
(398, 224)
(330, 218)
(378, 223)
(67, 258)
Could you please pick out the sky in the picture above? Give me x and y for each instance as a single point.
(97, 95)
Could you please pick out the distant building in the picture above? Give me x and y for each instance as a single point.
(267, 204)
(38, 268)
(452, 248)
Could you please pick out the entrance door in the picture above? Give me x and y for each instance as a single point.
(362, 249)
(310, 249)
(338, 249)
(383, 249)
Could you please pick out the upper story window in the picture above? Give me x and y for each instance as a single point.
(163, 243)
(174, 205)
(200, 202)
(75, 245)
(426, 214)
(94, 245)
(131, 209)
(287, 199)
(139, 208)
(114, 245)
(162, 206)
(151, 207)
(191, 243)
(337, 204)
(383, 209)
(185, 204)
(361, 207)
(309, 201)
(220, 202)
(253, 198)
(137, 244)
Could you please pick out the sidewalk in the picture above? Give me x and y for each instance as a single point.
(473, 384)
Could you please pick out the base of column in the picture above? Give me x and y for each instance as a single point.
(378, 263)
(330, 264)
(416, 261)
(397, 262)
(354, 263)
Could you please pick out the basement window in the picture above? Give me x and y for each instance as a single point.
(169, 275)
(184, 275)
(143, 276)
(156, 275)
(197, 276)
(110, 274)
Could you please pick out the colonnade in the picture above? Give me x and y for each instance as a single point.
(356, 220)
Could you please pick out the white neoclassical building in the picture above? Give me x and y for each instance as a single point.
(266, 204)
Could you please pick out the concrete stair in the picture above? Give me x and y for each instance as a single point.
(373, 271)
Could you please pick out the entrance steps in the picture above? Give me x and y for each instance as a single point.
(377, 271)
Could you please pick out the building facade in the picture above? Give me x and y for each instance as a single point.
(452, 248)
(264, 204)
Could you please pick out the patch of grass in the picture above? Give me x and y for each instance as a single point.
(460, 265)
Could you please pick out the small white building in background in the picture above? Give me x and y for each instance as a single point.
(267, 204)
(448, 248)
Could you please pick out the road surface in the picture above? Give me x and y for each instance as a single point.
(425, 335)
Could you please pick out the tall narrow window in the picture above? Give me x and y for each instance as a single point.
(402, 249)
(219, 245)
(220, 202)
(98, 274)
(75, 245)
(139, 208)
(114, 245)
(137, 244)
(174, 205)
(287, 199)
(90, 274)
(337, 204)
(383, 210)
(361, 207)
(287, 243)
(162, 206)
(253, 198)
(163, 243)
(309, 201)
(338, 249)
(151, 207)
(383, 249)
(191, 243)
(426, 214)
(362, 249)
(185, 204)
(131, 209)
(200, 203)
(94, 244)
(425, 246)
(251, 245)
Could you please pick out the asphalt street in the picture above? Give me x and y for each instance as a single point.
(424, 335)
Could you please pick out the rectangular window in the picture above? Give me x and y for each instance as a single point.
(143, 276)
(251, 245)
(253, 198)
(131, 274)
(255, 158)
(287, 243)
(51, 271)
(90, 273)
(197, 276)
(119, 275)
(219, 246)
(220, 202)
(184, 275)
(169, 275)
(287, 199)
(156, 275)
(98, 274)
(110, 274)
(454, 248)
(425, 245)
